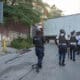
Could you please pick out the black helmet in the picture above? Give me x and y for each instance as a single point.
(62, 31)
(38, 31)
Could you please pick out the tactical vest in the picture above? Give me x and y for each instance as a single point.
(38, 41)
(72, 39)
(62, 39)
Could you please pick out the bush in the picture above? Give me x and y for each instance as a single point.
(21, 43)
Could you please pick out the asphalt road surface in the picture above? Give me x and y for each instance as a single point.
(18, 67)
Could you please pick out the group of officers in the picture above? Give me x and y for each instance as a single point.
(69, 44)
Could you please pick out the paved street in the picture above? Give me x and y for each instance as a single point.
(18, 67)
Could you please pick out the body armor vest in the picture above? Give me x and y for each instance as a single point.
(73, 39)
(62, 39)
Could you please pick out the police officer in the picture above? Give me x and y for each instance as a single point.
(38, 41)
(73, 45)
(62, 45)
(78, 43)
(68, 45)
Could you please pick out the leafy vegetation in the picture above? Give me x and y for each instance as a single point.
(22, 12)
(29, 11)
(54, 12)
(21, 43)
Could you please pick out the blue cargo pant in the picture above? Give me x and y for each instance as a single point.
(62, 54)
(40, 55)
(72, 52)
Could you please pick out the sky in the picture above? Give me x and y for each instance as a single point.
(67, 6)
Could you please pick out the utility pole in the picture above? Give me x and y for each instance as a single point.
(1, 24)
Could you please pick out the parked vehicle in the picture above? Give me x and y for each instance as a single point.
(68, 23)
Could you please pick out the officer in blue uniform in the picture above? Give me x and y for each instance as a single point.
(73, 45)
(78, 43)
(38, 41)
(62, 46)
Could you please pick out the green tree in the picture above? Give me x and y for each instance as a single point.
(42, 7)
(21, 10)
(54, 12)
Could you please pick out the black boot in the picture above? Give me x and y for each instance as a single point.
(63, 64)
(37, 69)
(60, 63)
